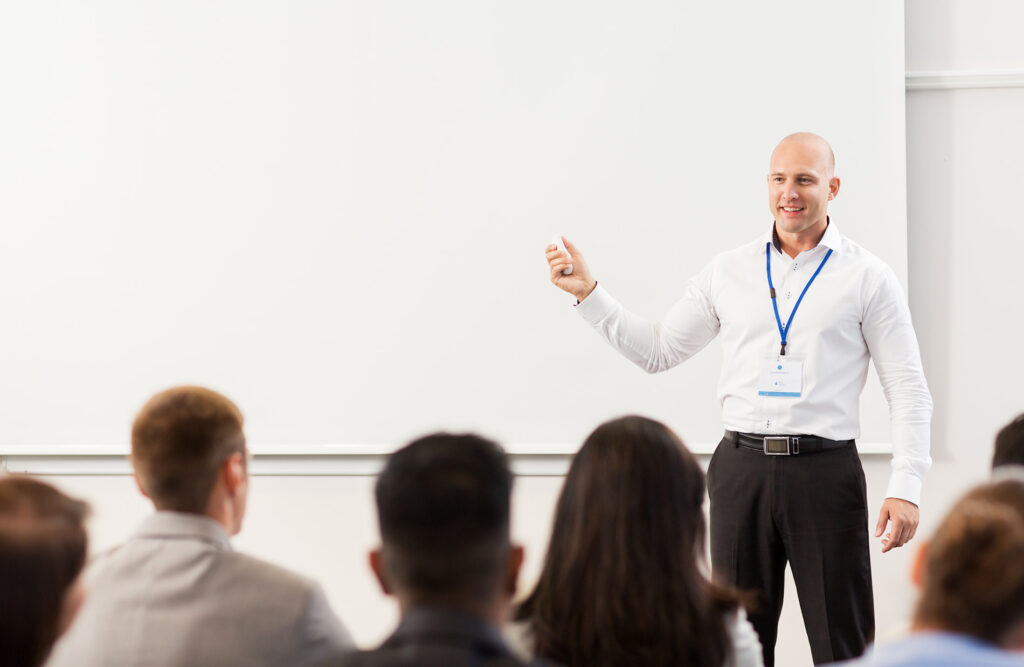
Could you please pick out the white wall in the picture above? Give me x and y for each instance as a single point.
(965, 233)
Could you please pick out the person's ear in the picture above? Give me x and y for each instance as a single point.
(138, 482)
(513, 565)
(376, 560)
(1016, 638)
(833, 187)
(73, 599)
(233, 473)
(918, 568)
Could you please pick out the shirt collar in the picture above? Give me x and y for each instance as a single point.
(181, 525)
(831, 239)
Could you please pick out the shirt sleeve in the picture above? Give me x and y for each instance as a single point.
(892, 343)
(688, 326)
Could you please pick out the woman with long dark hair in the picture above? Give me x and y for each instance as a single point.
(43, 548)
(624, 581)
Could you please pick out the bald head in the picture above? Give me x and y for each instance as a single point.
(812, 144)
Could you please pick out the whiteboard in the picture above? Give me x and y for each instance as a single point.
(335, 212)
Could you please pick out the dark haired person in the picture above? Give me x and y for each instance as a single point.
(971, 574)
(176, 594)
(800, 312)
(43, 546)
(1010, 444)
(443, 509)
(623, 579)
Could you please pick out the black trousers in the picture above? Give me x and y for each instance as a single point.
(810, 510)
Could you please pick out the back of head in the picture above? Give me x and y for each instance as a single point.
(973, 573)
(42, 552)
(1007, 490)
(180, 438)
(443, 506)
(622, 581)
(1010, 444)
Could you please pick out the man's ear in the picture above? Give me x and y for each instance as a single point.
(138, 482)
(376, 560)
(833, 187)
(514, 564)
(1015, 641)
(918, 567)
(233, 472)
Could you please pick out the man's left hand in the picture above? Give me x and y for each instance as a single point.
(903, 517)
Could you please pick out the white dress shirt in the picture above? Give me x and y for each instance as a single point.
(854, 310)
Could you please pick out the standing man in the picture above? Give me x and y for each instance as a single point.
(800, 310)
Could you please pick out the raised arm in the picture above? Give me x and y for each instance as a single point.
(688, 326)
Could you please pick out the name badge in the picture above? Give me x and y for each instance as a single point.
(781, 376)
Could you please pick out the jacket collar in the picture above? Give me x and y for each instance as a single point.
(181, 525)
(439, 625)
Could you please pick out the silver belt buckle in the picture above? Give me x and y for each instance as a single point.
(781, 445)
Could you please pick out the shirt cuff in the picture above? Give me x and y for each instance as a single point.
(598, 305)
(905, 487)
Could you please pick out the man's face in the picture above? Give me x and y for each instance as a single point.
(800, 185)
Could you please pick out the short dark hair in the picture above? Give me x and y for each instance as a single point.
(1010, 444)
(443, 508)
(43, 547)
(180, 439)
(974, 569)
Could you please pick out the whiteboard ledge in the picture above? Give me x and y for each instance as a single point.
(962, 79)
(530, 460)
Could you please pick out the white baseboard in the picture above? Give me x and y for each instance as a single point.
(964, 79)
(529, 460)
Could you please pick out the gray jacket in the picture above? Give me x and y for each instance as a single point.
(176, 594)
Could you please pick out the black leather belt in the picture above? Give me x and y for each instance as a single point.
(784, 445)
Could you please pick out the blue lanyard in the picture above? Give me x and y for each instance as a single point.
(768, 263)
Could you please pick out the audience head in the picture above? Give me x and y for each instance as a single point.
(623, 580)
(1010, 444)
(189, 454)
(971, 573)
(443, 508)
(42, 553)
